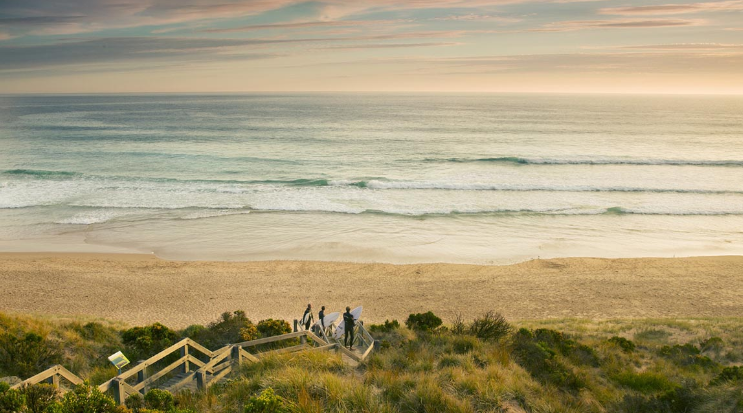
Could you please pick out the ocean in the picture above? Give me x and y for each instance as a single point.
(400, 178)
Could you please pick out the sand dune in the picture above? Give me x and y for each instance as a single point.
(141, 289)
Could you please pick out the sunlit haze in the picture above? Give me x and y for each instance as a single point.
(99, 46)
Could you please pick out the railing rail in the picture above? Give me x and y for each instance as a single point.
(221, 363)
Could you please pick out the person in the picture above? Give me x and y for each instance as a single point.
(321, 316)
(307, 317)
(349, 325)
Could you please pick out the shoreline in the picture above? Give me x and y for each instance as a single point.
(142, 288)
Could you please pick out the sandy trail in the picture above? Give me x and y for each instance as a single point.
(140, 289)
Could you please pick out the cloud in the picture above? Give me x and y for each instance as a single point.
(390, 46)
(686, 46)
(674, 8)
(306, 25)
(616, 24)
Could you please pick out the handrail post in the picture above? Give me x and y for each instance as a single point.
(119, 394)
(142, 376)
(200, 379)
(296, 323)
(237, 358)
(184, 352)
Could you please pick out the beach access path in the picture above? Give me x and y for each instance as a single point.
(139, 289)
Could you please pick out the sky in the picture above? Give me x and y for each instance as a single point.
(535, 46)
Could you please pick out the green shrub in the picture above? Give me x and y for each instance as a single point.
(4, 387)
(537, 353)
(146, 341)
(463, 344)
(229, 328)
(135, 402)
(645, 382)
(11, 401)
(39, 397)
(85, 398)
(712, 344)
(266, 402)
(626, 345)
(732, 374)
(28, 354)
(271, 327)
(387, 327)
(686, 355)
(491, 326)
(157, 399)
(423, 321)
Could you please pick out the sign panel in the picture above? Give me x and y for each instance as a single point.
(119, 359)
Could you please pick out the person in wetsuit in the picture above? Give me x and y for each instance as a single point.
(349, 325)
(307, 317)
(321, 316)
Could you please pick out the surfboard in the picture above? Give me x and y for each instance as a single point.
(304, 319)
(341, 329)
(329, 319)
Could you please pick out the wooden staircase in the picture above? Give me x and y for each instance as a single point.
(198, 368)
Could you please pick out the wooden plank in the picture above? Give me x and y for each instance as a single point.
(219, 376)
(288, 349)
(69, 375)
(154, 359)
(106, 386)
(201, 348)
(160, 373)
(272, 339)
(180, 383)
(349, 353)
(213, 362)
(325, 347)
(196, 361)
(38, 378)
(367, 352)
(315, 338)
(248, 356)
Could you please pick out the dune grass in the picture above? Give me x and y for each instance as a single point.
(566, 365)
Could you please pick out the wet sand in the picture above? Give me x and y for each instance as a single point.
(139, 289)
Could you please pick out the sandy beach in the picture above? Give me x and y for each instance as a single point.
(140, 289)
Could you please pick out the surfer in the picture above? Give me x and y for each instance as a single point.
(307, 317)
(349, 321)
(321, 316)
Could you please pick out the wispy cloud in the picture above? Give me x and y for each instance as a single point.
(616, 24)
(390, 45)
(674, 8)
(686, 46)
(306, 25)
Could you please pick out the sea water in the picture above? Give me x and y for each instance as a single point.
(372, 177)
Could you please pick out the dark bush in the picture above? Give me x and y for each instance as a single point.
(39, 397)
(732, 374)
(626, 345)
(712, 344)
(491, 326)
(11, 401)
(458, 326)
(387, 327)
(686, 355)
(85, 398)
(135, 402)
(537, 353)
(271, 327)
(679, 400)
(143, 342)
(229, 328)
(423, 321)
(463, 344)
(157, 399)
(27, 354)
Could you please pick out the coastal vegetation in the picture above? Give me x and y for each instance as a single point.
(467, 365)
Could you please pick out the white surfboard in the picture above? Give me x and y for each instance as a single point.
(329, 319)
(305, 318)
(341, 329)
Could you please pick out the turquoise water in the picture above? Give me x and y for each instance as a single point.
(393, 178)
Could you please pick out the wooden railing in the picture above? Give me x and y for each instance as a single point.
(220, 363)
